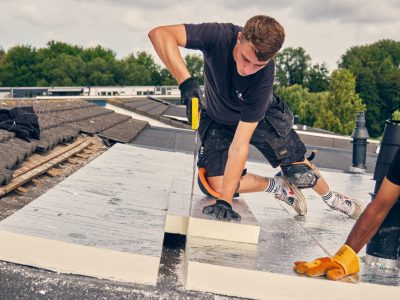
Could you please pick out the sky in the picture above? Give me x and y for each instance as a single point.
(324, 28)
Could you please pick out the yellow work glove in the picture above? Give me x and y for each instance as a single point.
(345, 262)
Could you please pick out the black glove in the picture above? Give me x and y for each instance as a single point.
(189, 89)
(221, 210)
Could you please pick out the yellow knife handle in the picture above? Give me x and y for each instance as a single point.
(195, 113)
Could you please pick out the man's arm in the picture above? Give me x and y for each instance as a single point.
(373, 216)
(238, 152)
(166, 41)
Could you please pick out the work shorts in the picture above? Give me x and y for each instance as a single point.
(216, 139)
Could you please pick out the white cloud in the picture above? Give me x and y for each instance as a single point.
(350, 11)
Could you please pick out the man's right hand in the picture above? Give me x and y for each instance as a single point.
(190, 89)
(221, 210)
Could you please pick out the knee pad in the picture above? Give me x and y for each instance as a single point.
(205, 187)
(301, 175)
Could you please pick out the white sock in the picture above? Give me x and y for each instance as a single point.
(328, 198)
(274, 185)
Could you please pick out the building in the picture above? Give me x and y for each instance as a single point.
(96, 91)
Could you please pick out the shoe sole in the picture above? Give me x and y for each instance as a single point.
(301, 199)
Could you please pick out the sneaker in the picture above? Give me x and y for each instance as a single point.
(351, 207)
(292, 196)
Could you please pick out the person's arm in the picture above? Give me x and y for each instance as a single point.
(166, 41)
(237, 156)
(345, 262)
(373, 216)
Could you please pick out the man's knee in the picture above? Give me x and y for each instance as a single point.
(210, 186)
(302, 174)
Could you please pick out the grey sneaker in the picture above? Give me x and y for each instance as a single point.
(351, 207)
(292, 196)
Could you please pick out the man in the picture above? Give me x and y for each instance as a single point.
(239, 109)
(345, 262)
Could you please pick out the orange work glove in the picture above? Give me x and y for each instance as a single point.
(345, 262)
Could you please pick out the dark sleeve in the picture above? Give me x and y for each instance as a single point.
(259, 97)
(202, 36)
(394, 169)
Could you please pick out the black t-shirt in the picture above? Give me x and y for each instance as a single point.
(229, 97)
(394, 169)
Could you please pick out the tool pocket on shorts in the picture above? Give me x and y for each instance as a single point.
(289, 149)
(280, 116)
(282, 147)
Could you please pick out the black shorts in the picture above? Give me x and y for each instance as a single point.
(216, 139)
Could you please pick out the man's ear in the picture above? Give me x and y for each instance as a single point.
(239, 36)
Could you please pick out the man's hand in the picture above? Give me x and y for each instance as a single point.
(345, 262)
(221, 210)
(189, 89)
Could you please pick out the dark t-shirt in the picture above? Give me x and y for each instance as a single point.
(229, 97)
(394, 169)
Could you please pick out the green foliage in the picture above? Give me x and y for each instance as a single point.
(291, 66)
(2, 54)
(301, 102)
(61, 64)
(376, 68)
(195, 66)
(18, 66)
(396, 115)
(317, 78)
(338, 113)
(335, 110)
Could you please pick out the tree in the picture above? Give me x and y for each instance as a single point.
(146, 60)
(195, 65)
(55, 48)
(61, 70)
(396, 115)
(167, 78)
(18, 66)
(302, 103)
(317, 78)
(376, 68)
(389, 89)
(338, 113)
(133, 72)
(291, 66)
(2, 55)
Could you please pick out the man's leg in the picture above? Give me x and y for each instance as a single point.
(249, 183)
(305, 175)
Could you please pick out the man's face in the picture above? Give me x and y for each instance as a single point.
(245, 58)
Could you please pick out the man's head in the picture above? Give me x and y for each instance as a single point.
(260, 40)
